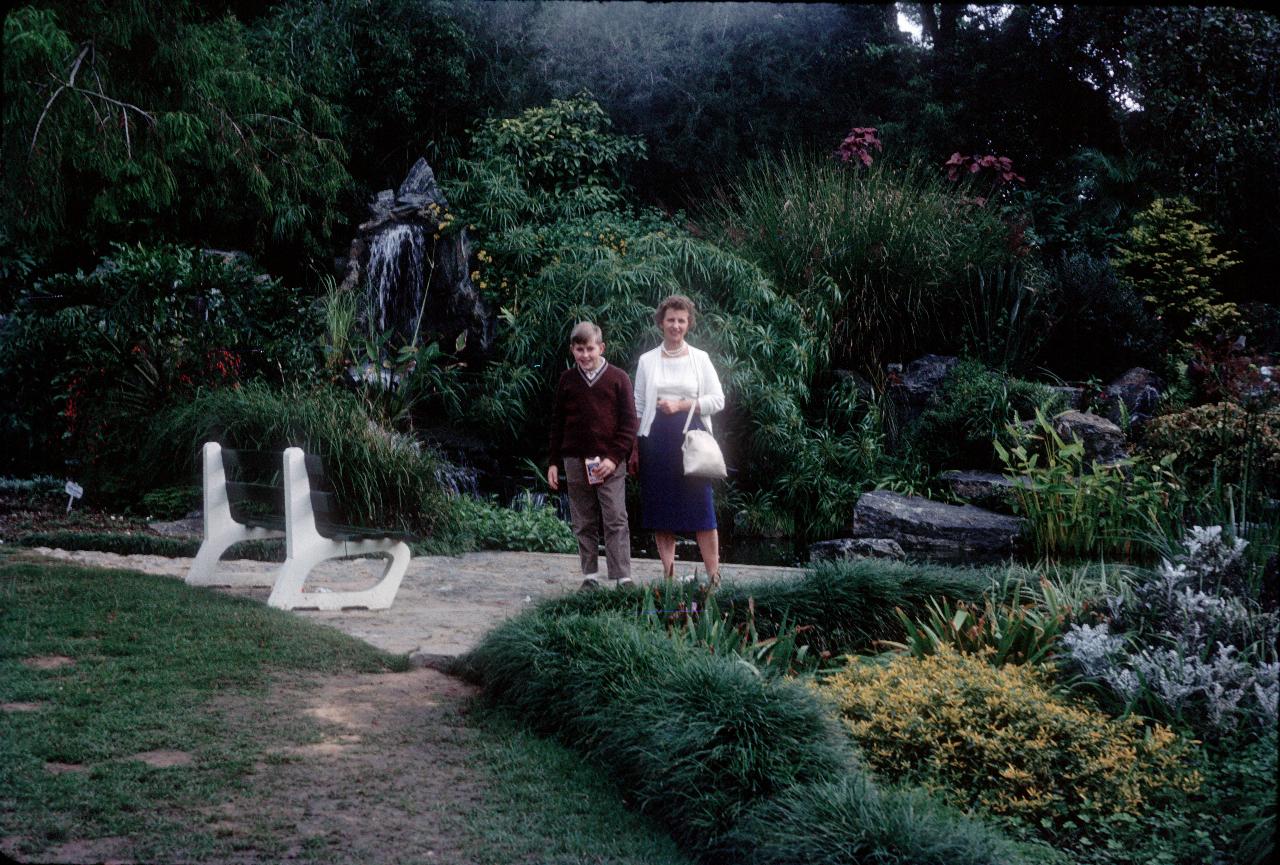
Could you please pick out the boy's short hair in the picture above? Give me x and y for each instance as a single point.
(679, 302)
(585, 333)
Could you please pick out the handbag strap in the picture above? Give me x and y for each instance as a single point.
(697, 376)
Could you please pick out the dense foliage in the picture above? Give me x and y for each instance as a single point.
(92, 355)
(997, 738)
(134, 123)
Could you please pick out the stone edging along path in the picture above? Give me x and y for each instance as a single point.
(445, 605)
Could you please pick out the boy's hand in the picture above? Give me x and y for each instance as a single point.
(553, 477)
(606, 468)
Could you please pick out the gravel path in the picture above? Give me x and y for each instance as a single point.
(445, 605)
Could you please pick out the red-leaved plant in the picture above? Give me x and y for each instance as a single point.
(998, 168)
(858, 143)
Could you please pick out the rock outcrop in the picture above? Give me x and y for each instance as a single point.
(940, 531)
(413, 270)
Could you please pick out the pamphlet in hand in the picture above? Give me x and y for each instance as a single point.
(593, 465)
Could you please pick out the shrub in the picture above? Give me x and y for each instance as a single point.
(171, 503)
(972, 407)
(999, 739)
(381, 478)
(535, 527)
(1187, 648)
(149, 325)
(1223, 443)
(1095, 309)
(1170, 261)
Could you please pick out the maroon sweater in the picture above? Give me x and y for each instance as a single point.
(593, 420)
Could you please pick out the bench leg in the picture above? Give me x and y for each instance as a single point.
(204, 568)
(220, 529)
(289, 579)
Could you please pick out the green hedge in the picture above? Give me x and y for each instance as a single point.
(148, 545)
(722, 756)
(847, 605)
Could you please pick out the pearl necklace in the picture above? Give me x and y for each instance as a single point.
(677, 353)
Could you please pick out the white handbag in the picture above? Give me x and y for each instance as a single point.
(702, 456)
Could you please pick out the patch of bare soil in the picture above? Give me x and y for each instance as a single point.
(391, 779)
(48, 662)
(21, 707)
(64, 768)
(164, 759)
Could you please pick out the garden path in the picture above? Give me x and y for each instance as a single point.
(445, 605)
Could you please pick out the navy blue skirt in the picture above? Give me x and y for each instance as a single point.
(670, 501)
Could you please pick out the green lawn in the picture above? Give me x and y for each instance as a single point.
(157, 666)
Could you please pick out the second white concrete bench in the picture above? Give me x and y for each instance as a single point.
(289, 502)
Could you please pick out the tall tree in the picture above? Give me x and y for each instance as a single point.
(156, 119)
(1207, 85)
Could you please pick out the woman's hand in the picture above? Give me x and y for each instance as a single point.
(674, 406)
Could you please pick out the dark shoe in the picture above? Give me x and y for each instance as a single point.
(590, 584)
(626, 583)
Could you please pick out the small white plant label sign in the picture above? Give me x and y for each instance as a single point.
(74, 491)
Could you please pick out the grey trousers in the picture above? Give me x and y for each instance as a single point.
(589, 506)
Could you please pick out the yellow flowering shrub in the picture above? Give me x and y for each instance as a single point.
(999, 739)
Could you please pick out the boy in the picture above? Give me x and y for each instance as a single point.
(593, 428)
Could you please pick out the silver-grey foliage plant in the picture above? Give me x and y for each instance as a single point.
(1182, 645)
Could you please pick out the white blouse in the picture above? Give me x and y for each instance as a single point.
(677, 378)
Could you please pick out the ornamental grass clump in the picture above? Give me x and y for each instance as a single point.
(380, 477)
(842, 606)
(1001, 740)
(724, 757)
(693, 738)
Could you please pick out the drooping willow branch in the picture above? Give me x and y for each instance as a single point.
(70, 85)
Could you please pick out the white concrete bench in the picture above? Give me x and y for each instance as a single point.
(289, 502)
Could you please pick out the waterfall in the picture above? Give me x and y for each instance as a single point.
(458, 479)
(397, 289)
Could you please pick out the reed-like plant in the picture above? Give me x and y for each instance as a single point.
(874, 255)
(380, 477)
(1006, 313)
(1079, 509)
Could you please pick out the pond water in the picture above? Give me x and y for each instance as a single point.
(733, 550)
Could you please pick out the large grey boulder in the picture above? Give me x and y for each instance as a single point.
(856, 548)
(420, 188)
(952, 532)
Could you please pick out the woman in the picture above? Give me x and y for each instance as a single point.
(670, 380)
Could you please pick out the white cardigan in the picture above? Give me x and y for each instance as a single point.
(710, 399)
